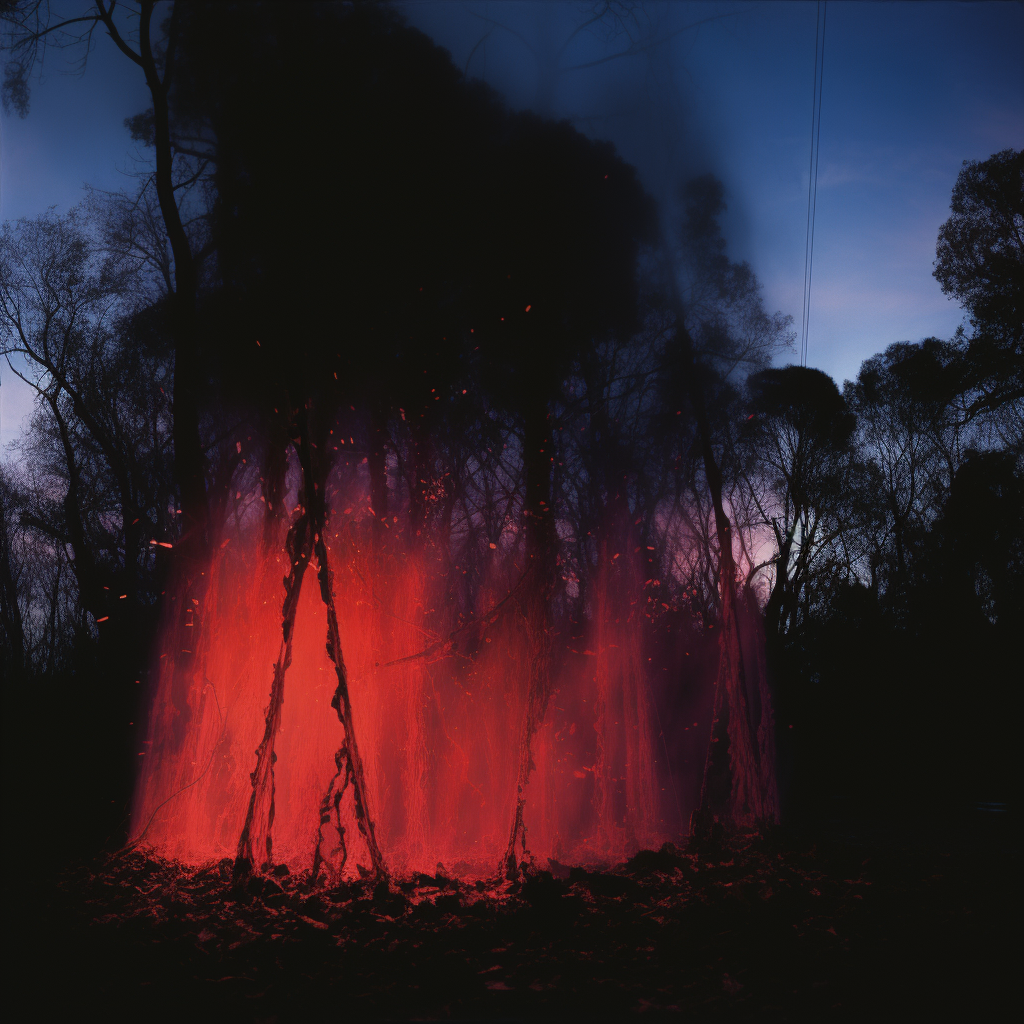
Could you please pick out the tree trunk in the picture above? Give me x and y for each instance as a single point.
(10, 610)
(752, 785)
(773, 609)
(190, 557)
(188, 451)
(348, 754)
(256, 840)
(90, 589)
(540, 553)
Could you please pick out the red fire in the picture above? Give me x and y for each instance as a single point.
(439, 724)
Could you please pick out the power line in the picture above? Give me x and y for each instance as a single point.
(812, 183)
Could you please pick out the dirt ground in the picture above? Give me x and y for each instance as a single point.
(845, 925)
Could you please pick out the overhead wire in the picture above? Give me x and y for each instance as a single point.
(812, 183)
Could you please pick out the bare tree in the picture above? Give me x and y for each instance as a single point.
(101, 432)
(29, 29)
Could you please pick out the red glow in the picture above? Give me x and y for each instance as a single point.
(438, 733)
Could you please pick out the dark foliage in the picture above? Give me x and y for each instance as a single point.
(980, 262)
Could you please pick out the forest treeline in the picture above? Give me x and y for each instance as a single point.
(344, 240)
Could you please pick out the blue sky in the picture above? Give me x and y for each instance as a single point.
(910, 91)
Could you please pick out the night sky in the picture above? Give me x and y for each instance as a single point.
(910, 91)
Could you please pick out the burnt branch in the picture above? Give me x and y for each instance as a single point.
(341, 702)
(255, 839)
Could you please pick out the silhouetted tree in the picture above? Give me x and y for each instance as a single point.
(914, 429)
(980, 262)
(720, 330)
(105, 420)
(797, 441)
(29, 27)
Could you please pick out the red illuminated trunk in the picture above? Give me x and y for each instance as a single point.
(305, 537)
(348, 760)
(256, 839)
(540, 551)
(440, 729)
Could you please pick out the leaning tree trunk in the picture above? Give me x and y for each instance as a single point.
(256, 839)
(348, 760)
(306, 536)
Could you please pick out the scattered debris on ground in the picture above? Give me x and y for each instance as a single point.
(745, 929)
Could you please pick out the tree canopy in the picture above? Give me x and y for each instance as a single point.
(980, 262)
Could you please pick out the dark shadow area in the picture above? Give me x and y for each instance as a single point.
(844, 924)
